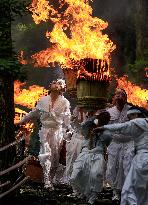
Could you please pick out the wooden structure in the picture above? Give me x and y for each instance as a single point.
(92, 84)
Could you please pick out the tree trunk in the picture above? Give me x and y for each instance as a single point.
(6, 87)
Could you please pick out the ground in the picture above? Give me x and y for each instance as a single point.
(35, 194)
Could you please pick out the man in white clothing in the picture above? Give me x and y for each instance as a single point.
(53, 111)
(120, 154)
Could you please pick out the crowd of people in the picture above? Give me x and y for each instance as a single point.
(106, 147)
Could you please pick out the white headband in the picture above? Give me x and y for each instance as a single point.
(63, 84)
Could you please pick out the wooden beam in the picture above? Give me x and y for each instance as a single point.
(15, 166)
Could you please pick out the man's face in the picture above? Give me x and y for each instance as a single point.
(120, 97)
(56, 86)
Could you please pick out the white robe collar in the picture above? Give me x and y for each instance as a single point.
(45, 103)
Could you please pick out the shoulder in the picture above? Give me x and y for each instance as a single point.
(114, 113)
(44, 98)
(65, 101)
(111, 109)
(42, 102)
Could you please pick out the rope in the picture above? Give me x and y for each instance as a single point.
(10, 145)
(4, 184)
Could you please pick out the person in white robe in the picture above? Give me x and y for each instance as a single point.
(135, 188)
(87, 175)
(53, 111)
(74, 141)
(120, 154)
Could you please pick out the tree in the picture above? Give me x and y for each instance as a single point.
(137, 70)
(10, 70)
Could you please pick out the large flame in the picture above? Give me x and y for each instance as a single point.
(28, 97)
(76, 34)
(135, 94)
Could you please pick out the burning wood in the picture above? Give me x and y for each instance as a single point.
(94, 70)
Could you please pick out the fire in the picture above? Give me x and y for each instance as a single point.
(28, 98)
(135, 94)
(21, 58)
(76, 33)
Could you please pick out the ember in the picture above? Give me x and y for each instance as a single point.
(21, 58)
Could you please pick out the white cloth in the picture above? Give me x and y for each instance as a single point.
(73, 149)
(73, 146)
(120, 154)
(87, 175)
(51, 132)
(135, 188)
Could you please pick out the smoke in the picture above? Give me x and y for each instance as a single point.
(113, 10)
(121, 30)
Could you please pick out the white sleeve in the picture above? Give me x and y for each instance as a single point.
(108, 135)
(123, 128)
(32, 114)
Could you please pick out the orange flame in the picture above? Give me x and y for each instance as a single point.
(135, 94)
(28, 97)
(21, 58)
(76, 34)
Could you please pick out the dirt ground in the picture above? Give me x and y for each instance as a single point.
(35, 194)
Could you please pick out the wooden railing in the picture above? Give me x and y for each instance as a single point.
(7, 186)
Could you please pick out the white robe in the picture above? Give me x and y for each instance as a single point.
(51, 133)
(87, 174)
(120, 154)
(135, 188)
(73, 149)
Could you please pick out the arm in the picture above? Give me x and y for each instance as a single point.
(32, 114)
(123, 128)
(122, 131)
(108, 136)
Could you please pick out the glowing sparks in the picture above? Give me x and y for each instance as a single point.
(28, 98)
(21, 58)
(135, 94)
(76, 34)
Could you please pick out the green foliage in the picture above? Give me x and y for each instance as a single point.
(24, 27)
(136, 72)
(11, 66)
(8, 62)
(13, 7)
